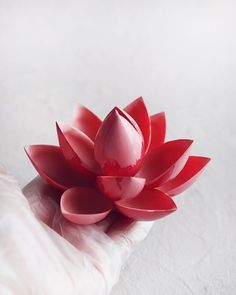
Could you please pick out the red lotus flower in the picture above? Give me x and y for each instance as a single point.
(120, 163)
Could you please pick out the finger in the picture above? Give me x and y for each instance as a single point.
(127, 233)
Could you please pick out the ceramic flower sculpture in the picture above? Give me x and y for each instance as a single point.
(121, 163)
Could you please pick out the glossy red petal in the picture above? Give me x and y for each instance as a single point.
(158, 130)
(165, 162)
(119, 146)
(189, 174)
(52, 167)
(119, 187)
(83, 205)
(86, 121)
(78, 150)
(150, 204)
(138, 111)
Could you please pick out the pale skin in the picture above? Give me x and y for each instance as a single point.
(43, 253)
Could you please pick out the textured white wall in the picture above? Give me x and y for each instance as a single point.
(181, 57)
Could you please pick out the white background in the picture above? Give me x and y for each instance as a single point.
(181, 57)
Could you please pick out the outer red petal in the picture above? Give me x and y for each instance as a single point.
(150, 204)
(119, 145)
(165, 162)
(86, 121)
(189, 174)
(119, 187)
(78, 150)
(158, 130)
(52, 167)
(83, 205)
(138, 111)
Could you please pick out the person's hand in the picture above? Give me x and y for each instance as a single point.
(42, 253)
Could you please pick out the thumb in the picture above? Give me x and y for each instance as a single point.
(127, 233)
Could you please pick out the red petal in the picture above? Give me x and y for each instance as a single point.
(119, 145)
(52, 167)
(158, 130)
(138, 111)
(78, 150)
(165, 162)
(150, 204)
(86, 121)
(117, 188)
(83, 205)
(191, 171)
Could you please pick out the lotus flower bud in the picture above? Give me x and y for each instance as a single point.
(119, 145)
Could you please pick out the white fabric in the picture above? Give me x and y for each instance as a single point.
(37, 260)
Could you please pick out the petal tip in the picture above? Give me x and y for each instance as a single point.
(188, 141)
(207, 159)
(139, 99)
(185, 141)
